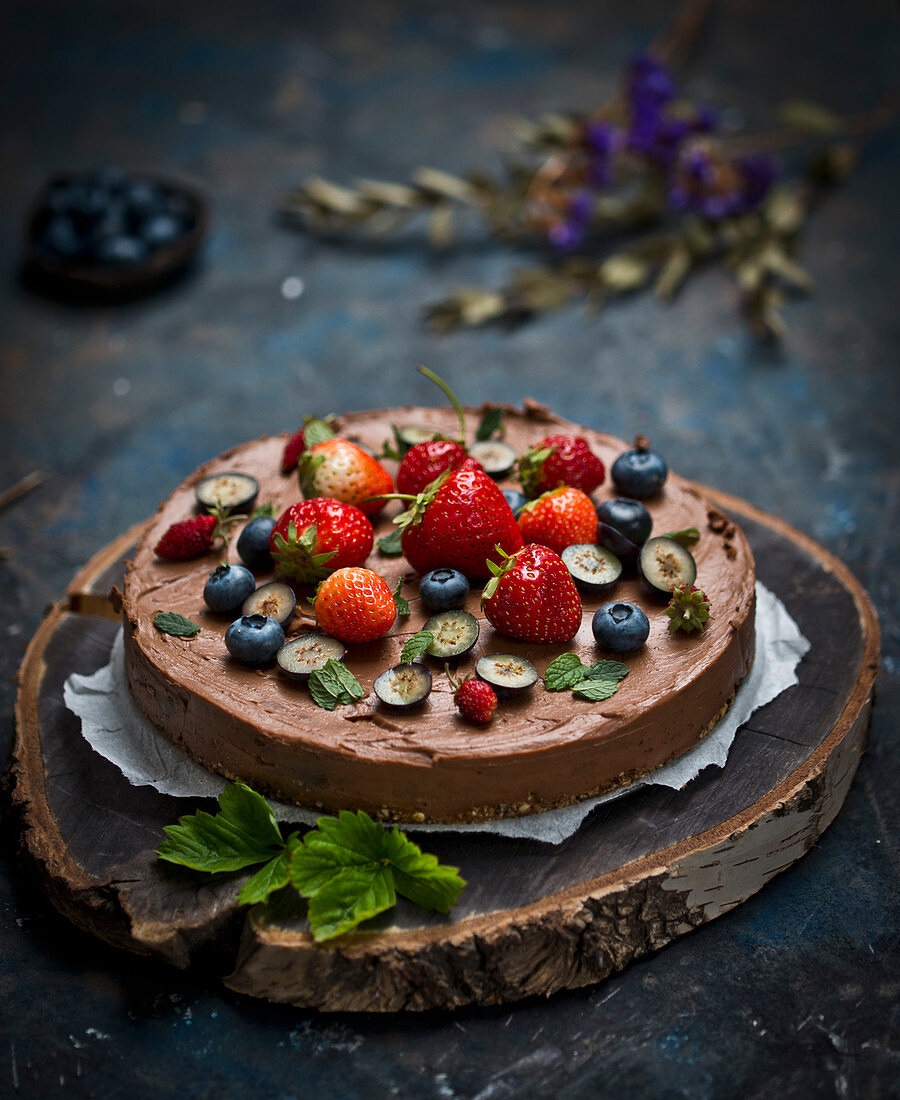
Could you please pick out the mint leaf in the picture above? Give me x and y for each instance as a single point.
(243, 833)
(390, 544)
(321, 695)
(595, 690)
(351, 869)
(264, 511)
(416, 646)
(402, 605)
(270, 877)
(687, 537)
(348, 682)
(606, 670)
(491, 422)
(170, 622)
(563, 672)
(334, 686)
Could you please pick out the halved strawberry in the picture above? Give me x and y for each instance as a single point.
(560, 460)
(341, 470)
(559, 518)
(532, 596)
(458, 522)
(315, 537)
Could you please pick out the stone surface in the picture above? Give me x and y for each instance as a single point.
(795, 992)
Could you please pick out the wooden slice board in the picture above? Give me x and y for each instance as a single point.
(534, 918)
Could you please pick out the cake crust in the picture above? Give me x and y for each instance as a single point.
(542, 750)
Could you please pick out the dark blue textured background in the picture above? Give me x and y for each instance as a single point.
(793, 994)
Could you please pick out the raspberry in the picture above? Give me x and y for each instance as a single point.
(476, 701)
(187, 539)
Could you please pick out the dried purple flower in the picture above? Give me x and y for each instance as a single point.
(568, 232)
(703, 179)
(649, 82)
(602, 141)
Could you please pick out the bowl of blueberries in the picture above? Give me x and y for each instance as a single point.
(109, 233)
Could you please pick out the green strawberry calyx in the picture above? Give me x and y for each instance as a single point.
(507, 563)
(688, 609)
(295, 558)
(531, 467)
(418, 503)
(307, 465)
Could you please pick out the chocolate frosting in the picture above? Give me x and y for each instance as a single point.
(542, 749)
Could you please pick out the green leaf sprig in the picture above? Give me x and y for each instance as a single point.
(401, 604)
(350, 868)
(416, 646)
(688, 537)
(390, 545)
(592, 682)
(490, 425)
(334, 686)
(170, 622)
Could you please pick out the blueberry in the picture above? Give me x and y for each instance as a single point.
(254, 639)
(253, 543)
(639, 472)
(227, 588)
(61, 238)
(629, 517)
(443, 589)
(144, 197)
(620, 627)
(515, 499)
(120, 249)
(161, 229)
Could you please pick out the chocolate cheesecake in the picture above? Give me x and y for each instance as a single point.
(541, 750)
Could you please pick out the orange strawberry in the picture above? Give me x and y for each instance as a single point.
(341, 470)
(532, 597)
(355, 605)
(559, 518)
(315, 537)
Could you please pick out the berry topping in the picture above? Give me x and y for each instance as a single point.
(276, 601)
(423, 462)
(639, 472)
(403, 686)
(299, 658)
(227, 588)
(623, 527)
(443, 589)
(458, 522)
(560, 460)
(620, 627)
(515, 500)
(188, 539)
(593, 567)
(232, 492)
(496, 457)
(665, 564)
(476, 701)
(533, 597)
(559, 518)
(253, 543)
(688, 609)
(454, 633)
(313, 431)
(342, 470)
(507, 673)
(313, 538)
(254, 640)
(355, 605)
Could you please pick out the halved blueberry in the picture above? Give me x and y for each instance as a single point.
(507, 673)
(620, 627)
(496, 457)
(443, 589)
(665, 563)
(299, 658)
(254, 639)
(230, 490)
(227, 588)
(623, 525)
(275, 600)
(593, 567)
(253, 543)
(403, 686)
(455, 632)
(639, 472)
(410, 434)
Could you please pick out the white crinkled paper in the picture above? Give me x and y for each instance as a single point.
(115, 728)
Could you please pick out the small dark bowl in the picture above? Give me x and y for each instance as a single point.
(81, 279)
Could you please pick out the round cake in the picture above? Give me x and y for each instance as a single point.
(542, 749)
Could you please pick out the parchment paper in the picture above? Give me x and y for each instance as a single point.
(115, 728)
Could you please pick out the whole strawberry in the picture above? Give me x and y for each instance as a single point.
(560, 460)
(188, 539)
(355, 605)
(532, 597)
(341, 470)
(458, 522)
(313, 431)
(423, 462)
(559, 518)
(315, 537)
(476, 701)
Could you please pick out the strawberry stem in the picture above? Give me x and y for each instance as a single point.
(441, 384)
